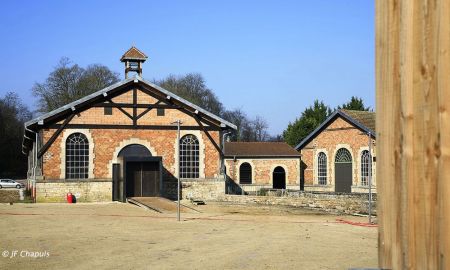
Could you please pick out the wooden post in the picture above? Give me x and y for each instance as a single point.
(413, 126)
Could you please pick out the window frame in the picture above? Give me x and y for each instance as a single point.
(77, 156)
(189, 157)
(365, 172)
(322, 173)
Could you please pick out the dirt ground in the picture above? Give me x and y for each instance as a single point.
(123, 236)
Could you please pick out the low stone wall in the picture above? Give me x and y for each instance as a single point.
(206, 189)
(9, 195)
(84, 191)
(336, 203)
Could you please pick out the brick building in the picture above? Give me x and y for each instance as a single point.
(256, 165)
(122, 142)
(335, 156)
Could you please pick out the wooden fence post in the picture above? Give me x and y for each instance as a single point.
(413, 133)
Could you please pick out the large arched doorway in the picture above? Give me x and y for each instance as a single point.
(137, 173)
(279, 178)
(343, 171)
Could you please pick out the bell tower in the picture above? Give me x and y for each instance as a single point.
(133, 59)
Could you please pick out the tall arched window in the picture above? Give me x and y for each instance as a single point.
(322, 168)
(77, 156)
(366, 160)
(245, 173)
(189, 157)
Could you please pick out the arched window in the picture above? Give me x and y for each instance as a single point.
(77, 156)
(366, 160)
(343, 156)
(245, 173)
(189, 157)
(322, 168)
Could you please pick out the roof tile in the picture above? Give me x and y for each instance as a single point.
(133, 53)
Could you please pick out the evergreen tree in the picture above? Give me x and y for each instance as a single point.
(310, 119)
(356, 104)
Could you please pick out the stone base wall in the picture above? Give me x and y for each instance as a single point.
(255, 188)
(331, 188)
(10, 195)
(206, 189)
(84, 191)
(335, 203)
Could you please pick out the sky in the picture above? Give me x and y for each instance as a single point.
(269, 58)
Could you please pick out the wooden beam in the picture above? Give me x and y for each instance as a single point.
(122, 110)
(145, 127)
(148, 109)
(209, 136)
(176, 104)
(134, 107)
(413, 133)
(140, 106)
(54, 136)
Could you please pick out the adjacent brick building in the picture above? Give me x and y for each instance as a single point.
(258, 165)
(122, 142)
(336, 157)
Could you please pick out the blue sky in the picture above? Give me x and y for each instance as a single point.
(270, 58)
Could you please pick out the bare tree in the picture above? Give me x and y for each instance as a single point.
(69, 82)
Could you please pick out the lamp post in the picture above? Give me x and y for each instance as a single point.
(370, 177)
(223, 151)
(178, 122)
(223, 168)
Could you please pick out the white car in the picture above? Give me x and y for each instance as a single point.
(5, 183)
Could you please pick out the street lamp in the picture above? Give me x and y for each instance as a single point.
(223, 151)
(178, 122)
(370, 177)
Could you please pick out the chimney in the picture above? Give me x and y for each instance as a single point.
(133, 59)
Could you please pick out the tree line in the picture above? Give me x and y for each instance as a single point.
(69, 82)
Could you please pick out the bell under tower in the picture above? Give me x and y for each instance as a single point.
(133, 59)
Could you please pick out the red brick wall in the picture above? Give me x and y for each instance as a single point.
(262, 170)
(106, 141)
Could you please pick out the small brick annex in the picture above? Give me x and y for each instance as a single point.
(344, 129)
(262, 165)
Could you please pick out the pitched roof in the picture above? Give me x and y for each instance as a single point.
(259, 149)
(363, 120)
(364, 117)
(58, 114)
(136, 79)
(133, 54)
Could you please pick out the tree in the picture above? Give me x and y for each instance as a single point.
(248, 130)
(192, 87)
(69, 82)
(239, 118)
(356, 104)
(259, 127)
(309, 120)
(13, 115)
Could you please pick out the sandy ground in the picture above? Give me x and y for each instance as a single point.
(122, 236)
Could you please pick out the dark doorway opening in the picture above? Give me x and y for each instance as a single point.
(137, 173)
(142, 178)
(279, 178)
(343, 171)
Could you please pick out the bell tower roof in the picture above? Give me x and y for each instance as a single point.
(133, 59)
(133, 54)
